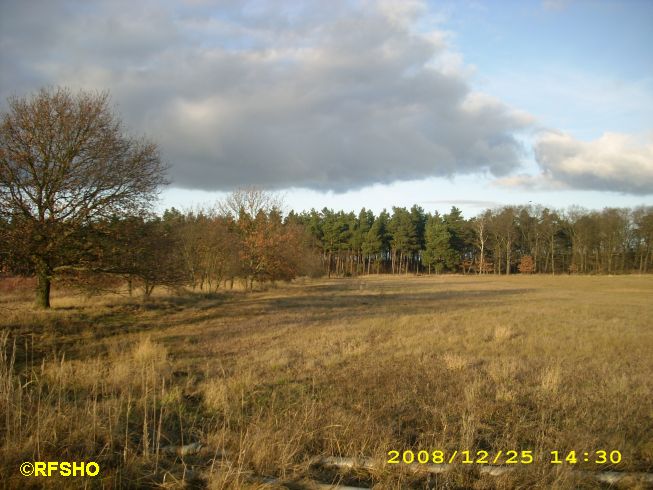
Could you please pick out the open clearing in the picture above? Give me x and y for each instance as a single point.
(356, 367)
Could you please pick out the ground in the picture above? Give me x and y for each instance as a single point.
(357, 367)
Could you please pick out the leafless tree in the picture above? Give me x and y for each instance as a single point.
(250, 201)
(480, 226)
(66, 161)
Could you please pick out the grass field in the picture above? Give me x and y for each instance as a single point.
(269, 380)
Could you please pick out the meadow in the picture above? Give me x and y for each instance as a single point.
(270, 381)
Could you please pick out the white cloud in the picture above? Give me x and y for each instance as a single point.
(614, 162)
(473, 203)
(541, 182)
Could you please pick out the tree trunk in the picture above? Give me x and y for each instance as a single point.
(481, 267)
(508, 250)
(598, 267)
(43, 289)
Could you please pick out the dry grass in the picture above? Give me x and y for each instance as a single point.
(352, 367)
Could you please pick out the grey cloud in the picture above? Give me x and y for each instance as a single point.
(323, 95)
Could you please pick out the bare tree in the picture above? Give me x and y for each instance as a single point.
(250, 201)
(65, 161)
(480, 226)
(643, 222)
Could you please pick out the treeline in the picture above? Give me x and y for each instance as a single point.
(527, 239)
(247, 239)
(244, 238)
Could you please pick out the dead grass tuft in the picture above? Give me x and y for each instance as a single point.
(454, 362)
(503, 333)
(551, 378)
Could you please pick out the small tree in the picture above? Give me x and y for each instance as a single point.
(65, 162)
(270, 249)
(526, 265)
(147, 251)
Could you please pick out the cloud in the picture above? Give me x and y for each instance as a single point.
(540, 182)
(614, 162)
(555, 4)
(324, 95)
(475, 203)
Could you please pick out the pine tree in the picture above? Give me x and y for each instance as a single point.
(438, 253)
(404, 238)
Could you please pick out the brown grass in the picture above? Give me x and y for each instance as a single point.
(358, 367)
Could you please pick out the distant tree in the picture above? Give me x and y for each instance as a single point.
(502, 227)
(372, 245)
(457, 228)
(643, 236)
(249, 201)
(550, 226)
(419, 218)
(480, 227)
(526, 265)
(144, 251)
(438, 253)
(209, 244)
(271, 250)
(581, 230)
(65, 162)
(362, 226)
(336, 233)
(312, 221)
(530, 239)
(507, 222)
(404, 243)
(349, 246)
(615, 238)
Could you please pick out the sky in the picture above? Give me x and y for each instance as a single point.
(351, 104)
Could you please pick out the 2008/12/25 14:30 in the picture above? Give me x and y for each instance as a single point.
(599, 457)
(501, 457)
